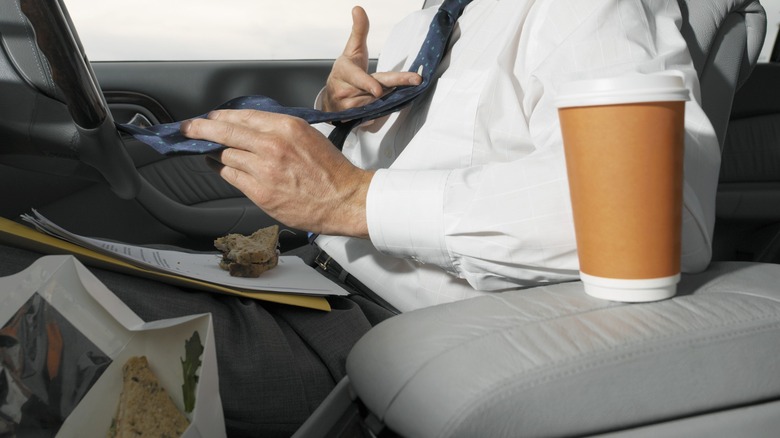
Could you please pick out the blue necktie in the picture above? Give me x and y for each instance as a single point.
(167, 138)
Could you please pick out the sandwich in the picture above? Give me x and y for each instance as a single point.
(249, 256)
(145, 408)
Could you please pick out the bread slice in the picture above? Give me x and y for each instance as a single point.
(249, 256)
(145, 409)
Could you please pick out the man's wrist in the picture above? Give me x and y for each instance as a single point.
(358, 212)
(348, 218)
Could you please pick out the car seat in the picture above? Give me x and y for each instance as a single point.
(552, 361)
(747, 225)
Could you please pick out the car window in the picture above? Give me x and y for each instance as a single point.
(117, 30)
(121, 30)
(773, 24)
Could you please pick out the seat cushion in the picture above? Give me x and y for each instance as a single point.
(554, 361)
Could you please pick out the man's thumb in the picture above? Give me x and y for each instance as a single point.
(357, 43)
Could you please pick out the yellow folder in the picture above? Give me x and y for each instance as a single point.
(15, 234)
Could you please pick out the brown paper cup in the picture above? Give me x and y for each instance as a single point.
(624, 139)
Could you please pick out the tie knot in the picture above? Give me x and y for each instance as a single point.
(454, 8)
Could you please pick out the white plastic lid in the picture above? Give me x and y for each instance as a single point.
(630, 291)
(634, 88)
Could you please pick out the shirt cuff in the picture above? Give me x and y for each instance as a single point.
(404, 211)
(318, 99)
(324, 128)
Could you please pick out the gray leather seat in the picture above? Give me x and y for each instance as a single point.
(552, 361)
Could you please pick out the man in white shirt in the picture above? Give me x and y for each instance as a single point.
(462, 193)
(465, 191)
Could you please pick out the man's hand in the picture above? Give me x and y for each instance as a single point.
(288, 169)
(349, 85)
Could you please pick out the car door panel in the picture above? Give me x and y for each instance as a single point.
(185, 203)
(186, 89)
(180, 90)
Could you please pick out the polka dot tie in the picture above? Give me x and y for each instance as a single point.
(167, 138)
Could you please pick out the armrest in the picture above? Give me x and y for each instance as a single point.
(553, 361)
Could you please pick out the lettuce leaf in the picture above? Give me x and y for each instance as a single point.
(193, 349)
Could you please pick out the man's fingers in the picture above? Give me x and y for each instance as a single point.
(243, 181)
(229, 128)
(362, 81)
(237, 159)
(392, 79)
(374, 86)
(357, 44)
(210, 130)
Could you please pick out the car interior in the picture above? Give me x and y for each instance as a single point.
(546, 361)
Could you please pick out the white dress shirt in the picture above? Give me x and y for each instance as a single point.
(471, 194)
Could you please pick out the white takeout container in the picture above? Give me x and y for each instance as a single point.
(109, 324)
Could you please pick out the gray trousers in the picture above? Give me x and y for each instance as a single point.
(276, 362)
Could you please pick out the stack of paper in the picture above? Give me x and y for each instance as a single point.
(291, 282)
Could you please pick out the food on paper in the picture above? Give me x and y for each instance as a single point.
(145, 408)
(249, 256)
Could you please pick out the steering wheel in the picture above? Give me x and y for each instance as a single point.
(69, 67)
(96, 141)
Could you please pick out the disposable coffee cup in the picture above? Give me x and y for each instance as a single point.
(624, 142)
